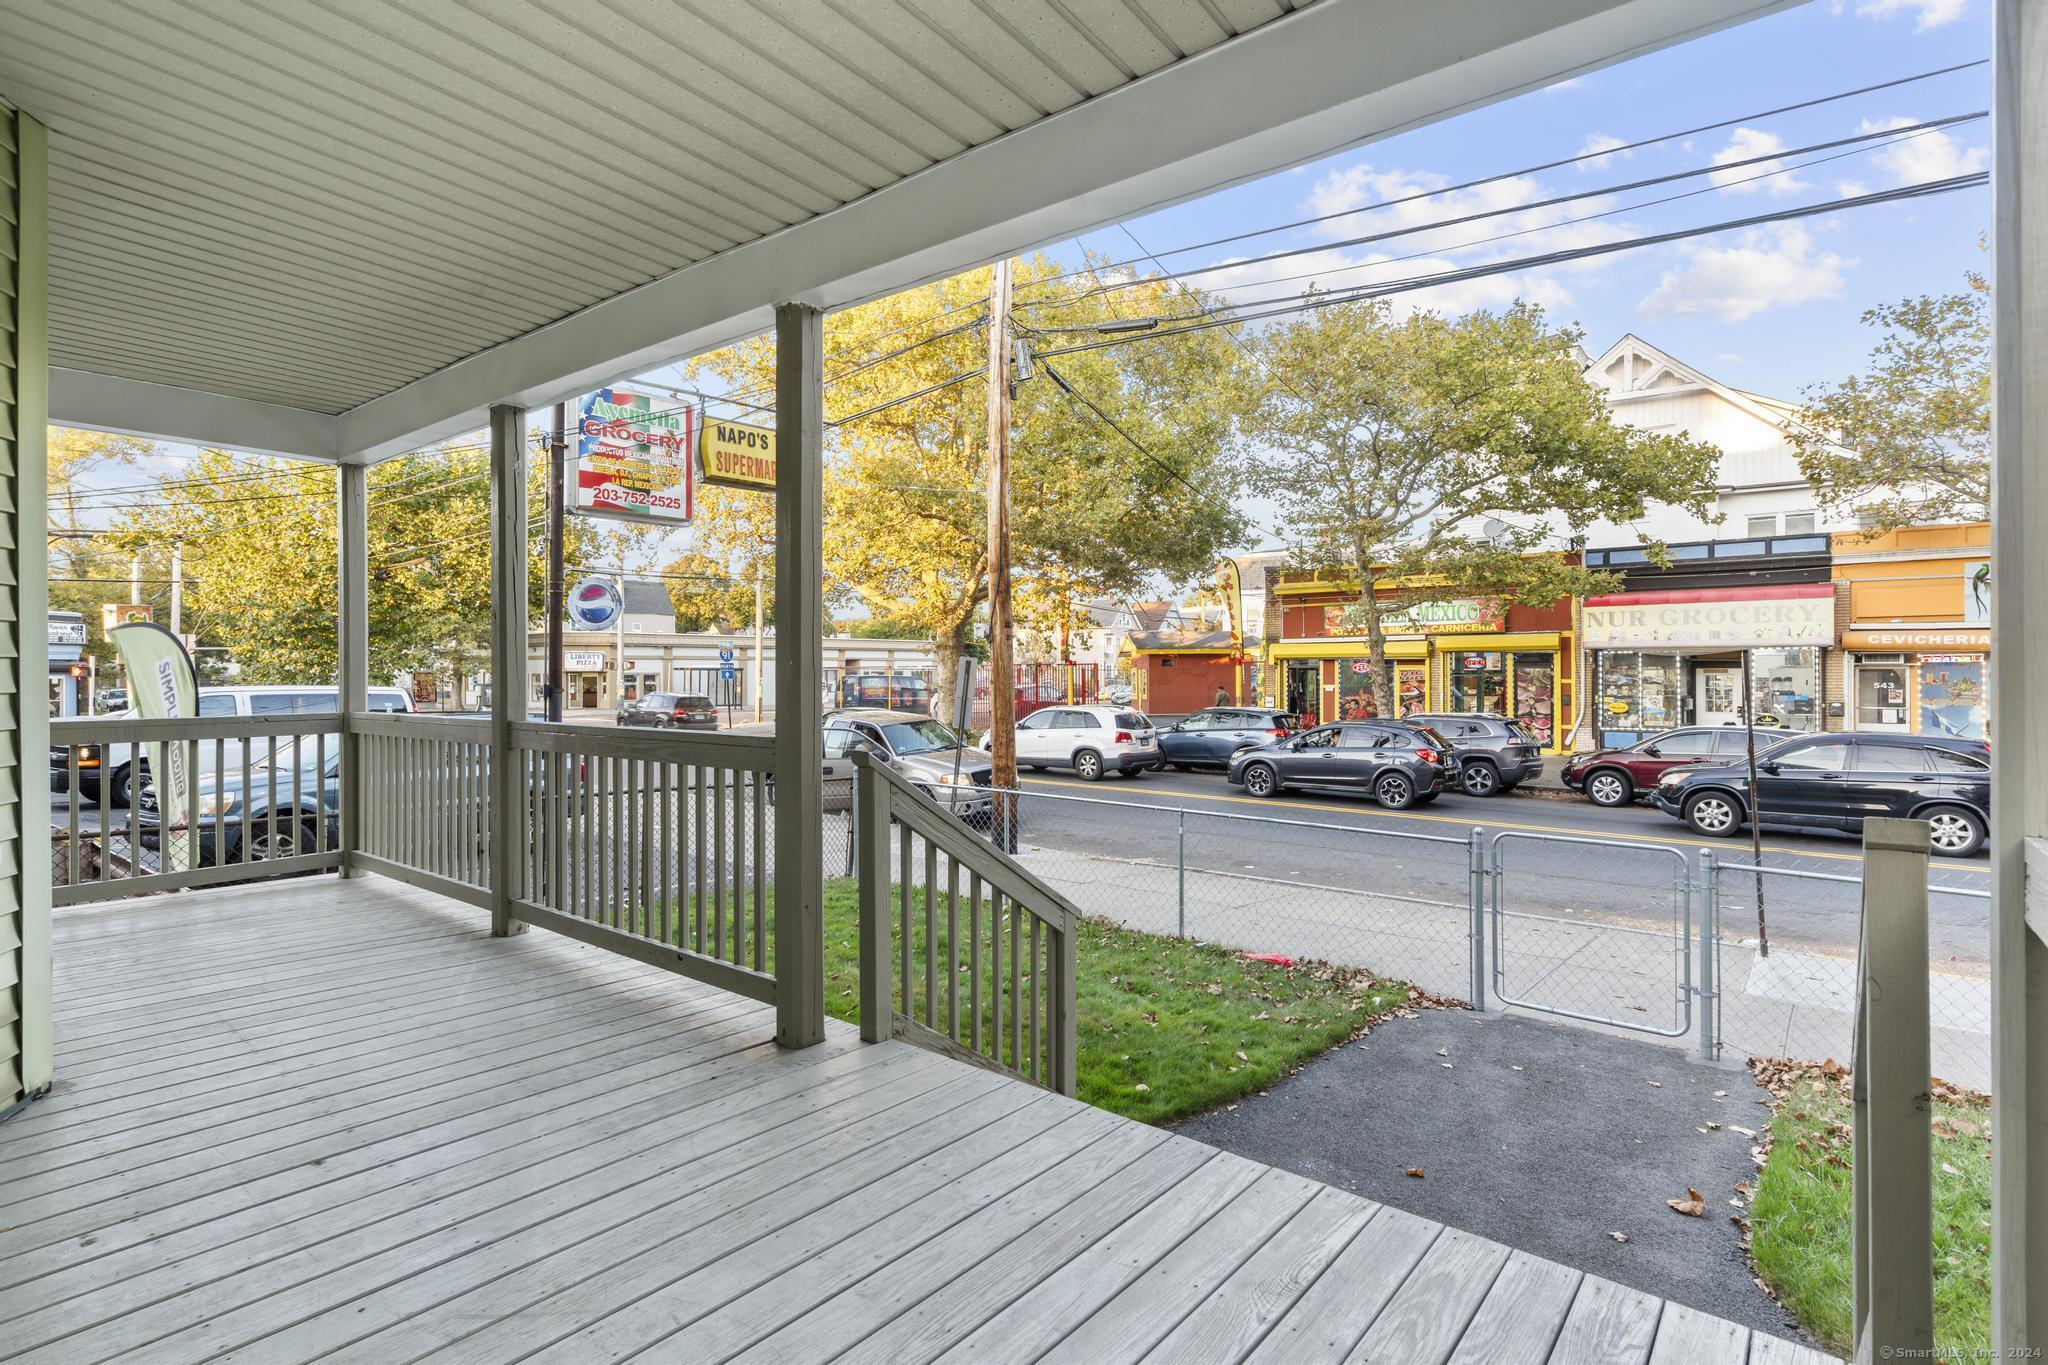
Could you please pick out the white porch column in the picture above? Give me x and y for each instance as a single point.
(508, 652)
(25, 1001)
(2019, 661)
(799, 665)
(352, 627)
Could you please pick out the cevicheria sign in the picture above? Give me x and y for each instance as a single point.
(633, 461)
(736, 455)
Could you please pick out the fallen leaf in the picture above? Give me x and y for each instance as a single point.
(1215, 989)
(1141, 1086)
(1692, 1206)
(1514, 1068)
(1656, 1085)
(1261, 1015)
(1949, 1170)
(1242, 1058)
(1445, 1065)
(1713, 1127)
(1443, 1052)
(1738, 1128)
(1619, 1236)
(1720, 1094)
(1415, 1172)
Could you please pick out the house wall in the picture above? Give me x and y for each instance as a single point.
(25, 1025)
(1176, 684)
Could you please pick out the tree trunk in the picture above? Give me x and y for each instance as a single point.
(1376, 650)
(950, 645)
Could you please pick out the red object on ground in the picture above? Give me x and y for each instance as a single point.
(1271, 959)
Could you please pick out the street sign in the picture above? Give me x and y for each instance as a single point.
(735, 455)
(725, 654)
(726, 674)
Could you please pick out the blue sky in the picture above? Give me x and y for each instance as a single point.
(1773, 309)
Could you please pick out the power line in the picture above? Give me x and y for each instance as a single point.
(1881, 136)
(1314, 299)
(1562, 161)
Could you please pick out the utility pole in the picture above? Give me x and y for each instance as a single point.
(619, 640)
(558, 449)
(178, 587)
(1001, 672)
(760, 611)
(135, 581)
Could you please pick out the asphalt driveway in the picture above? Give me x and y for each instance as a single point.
(1544, 1136)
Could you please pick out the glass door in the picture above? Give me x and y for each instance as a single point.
(1881, 691)
(1718, 694)
(1535, 696)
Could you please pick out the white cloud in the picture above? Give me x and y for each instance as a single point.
(1768, 269)
(1270, 281)
(1599, 151)
(1926, 13)
(1748, 143)
(1559, 87)
(1932, 155)
(1850, 189)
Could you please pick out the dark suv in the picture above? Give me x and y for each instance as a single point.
(1494, 753)
(671, 711)
(1838, 782)
(1615, 777)
(1398, 763)
(1208, 738)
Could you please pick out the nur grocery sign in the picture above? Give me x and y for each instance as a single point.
(633, 462)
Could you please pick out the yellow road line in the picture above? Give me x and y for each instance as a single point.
(1274, 803)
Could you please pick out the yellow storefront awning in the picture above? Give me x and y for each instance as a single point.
(1528, 639)
(1345, 647)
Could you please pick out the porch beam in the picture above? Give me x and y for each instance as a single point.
(508, 653)
(165, 412)
(352, 651)
(2019, 750)
(799, 673)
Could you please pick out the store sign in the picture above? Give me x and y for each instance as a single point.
(1710, 624)
(1906, 638)
(121, 614)
(738, 456)
(66, 632)
(1977, 592)
(633, 462)
(594, 604)
(583, 661)
(1417, 618)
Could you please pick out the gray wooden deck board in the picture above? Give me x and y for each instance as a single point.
(337, 1120)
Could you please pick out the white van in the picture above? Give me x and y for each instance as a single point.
(114, 763)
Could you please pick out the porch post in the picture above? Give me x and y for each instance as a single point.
(352, 582)
(2019, 732)
(799, 670)
(508, 652)
(26, 1039)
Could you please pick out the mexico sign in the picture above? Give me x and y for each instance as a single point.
(738, 456)
(633, 462)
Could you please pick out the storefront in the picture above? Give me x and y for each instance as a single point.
(1448, 654)
(1664, 659)
(1919, 632)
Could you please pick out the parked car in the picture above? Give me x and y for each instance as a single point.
(111, 699)
(1208, 738)
(671, 711)
(1398, 763)
(1616, 777)
(1839, 781)
(302, 799)
(1494, 753)
(1092, 740)
(114, 764)
(878, 690)
(930, 754)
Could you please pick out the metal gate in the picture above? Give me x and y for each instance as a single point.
(1619, 964)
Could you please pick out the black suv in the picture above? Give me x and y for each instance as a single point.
(1398, 763)
(671, 711)
(1838, 782)
(1208, 738)
(1494, 753)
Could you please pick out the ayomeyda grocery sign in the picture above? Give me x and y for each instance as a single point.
(1711, 618)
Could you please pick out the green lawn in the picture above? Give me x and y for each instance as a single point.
(1800, 1220)
(1168, 1028)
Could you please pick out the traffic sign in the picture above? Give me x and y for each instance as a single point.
(726, 673)
(725, 654)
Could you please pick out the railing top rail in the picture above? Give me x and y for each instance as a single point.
(942, 828)
(472, 728)
(1541, 836)
(1036, 795)
(712, 748)
(1968, 892)
(134, 729)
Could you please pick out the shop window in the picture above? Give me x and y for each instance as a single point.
(1952, 698)
(1479, 682)
(1761, 526)
(1536, 695)
(1785, 687)
(1880, 696)
(1355, 699)
(1638, 694)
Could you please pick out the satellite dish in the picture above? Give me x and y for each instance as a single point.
(1494, 529)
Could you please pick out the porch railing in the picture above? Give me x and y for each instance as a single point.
(961, 949)
(264, 803)
(655, 844)
(425, 790)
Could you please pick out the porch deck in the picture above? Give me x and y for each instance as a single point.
(336, 1120)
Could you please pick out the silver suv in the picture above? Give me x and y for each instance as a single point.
(928, 753)
(1092, 740)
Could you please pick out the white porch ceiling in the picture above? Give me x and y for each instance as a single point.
(338, 229)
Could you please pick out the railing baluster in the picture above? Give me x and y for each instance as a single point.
(762, 869)
(903, 841)
(739, 864)
(697, 881)
(974, 962)
(953, 949)
(644, 777)
(1016, 1009)
(1036, 1073)
(931, 934)
(71, 770)
(100, 868)
(720, 776)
